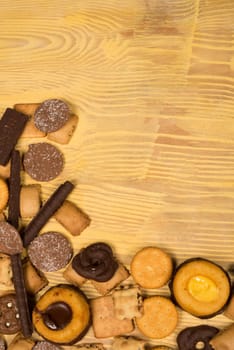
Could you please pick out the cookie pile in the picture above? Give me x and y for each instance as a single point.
(63, 314)
(51, 251)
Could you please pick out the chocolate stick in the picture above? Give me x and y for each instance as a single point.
(11, 127)
(17, 270)
(46, 211)
(14, 187)
(21, 295)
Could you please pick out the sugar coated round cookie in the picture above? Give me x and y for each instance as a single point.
(51, 115)
(159, 318)
(50, 251)
(43, 161)
(151, 267)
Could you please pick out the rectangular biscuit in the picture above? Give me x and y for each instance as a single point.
(30, 129)
(105, 324)
(105, 287)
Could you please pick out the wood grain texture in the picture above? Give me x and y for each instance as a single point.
(153, 153)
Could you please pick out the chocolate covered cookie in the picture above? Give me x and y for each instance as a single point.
(50, 251)
(95, 262)
(43, 161)
(62, 315)
(197, 337)
(51, 115)
(9, 315)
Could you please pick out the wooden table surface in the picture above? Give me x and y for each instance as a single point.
(153, 154)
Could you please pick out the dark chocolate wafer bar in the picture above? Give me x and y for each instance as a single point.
(14, 187)
(21, 295)
(46, 211)
(11, 127)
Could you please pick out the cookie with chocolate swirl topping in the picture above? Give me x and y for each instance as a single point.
(95, 262)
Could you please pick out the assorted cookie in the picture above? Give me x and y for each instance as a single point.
(97, 264)
(201, 287)
(50, 251)
(105, 324)
(72, 218)
(62, 315)
(151, 267)
(128, 302)
(30, 200)
(43, 161)
(224, 339)
(128, 343)
(10, 322)
(159, 318)
(51, 115)
(197, 337)
(19, 342)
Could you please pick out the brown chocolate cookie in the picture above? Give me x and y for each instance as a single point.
(50, 251)
(51, 115)
(10, 240)
(9, 315)
(43, 161)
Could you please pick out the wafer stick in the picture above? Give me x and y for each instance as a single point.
(14, 187)
(21, 295)
(46, 211)
(11, 127)
(16, 263)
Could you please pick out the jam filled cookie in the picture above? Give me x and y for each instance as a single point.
(62, 315)
(159, 317)
(151, 267)
(201, 287)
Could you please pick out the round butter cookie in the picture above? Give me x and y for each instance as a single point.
(151, 267)
(159, 317)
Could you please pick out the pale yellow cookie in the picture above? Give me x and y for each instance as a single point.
(224, 340)
(161, 347)
(128, 303)
(5, 170)
(21, 343)
(105, 324)
(5, 272)
(159, 318)
(30, 200)
(2, 217)
(120, 275)
(73, 277)
(72, 218)
(229, 311)
(4, 194)
(30, 129)
(64, 134)
(34, 280)
(128, 343)
(151, 267)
